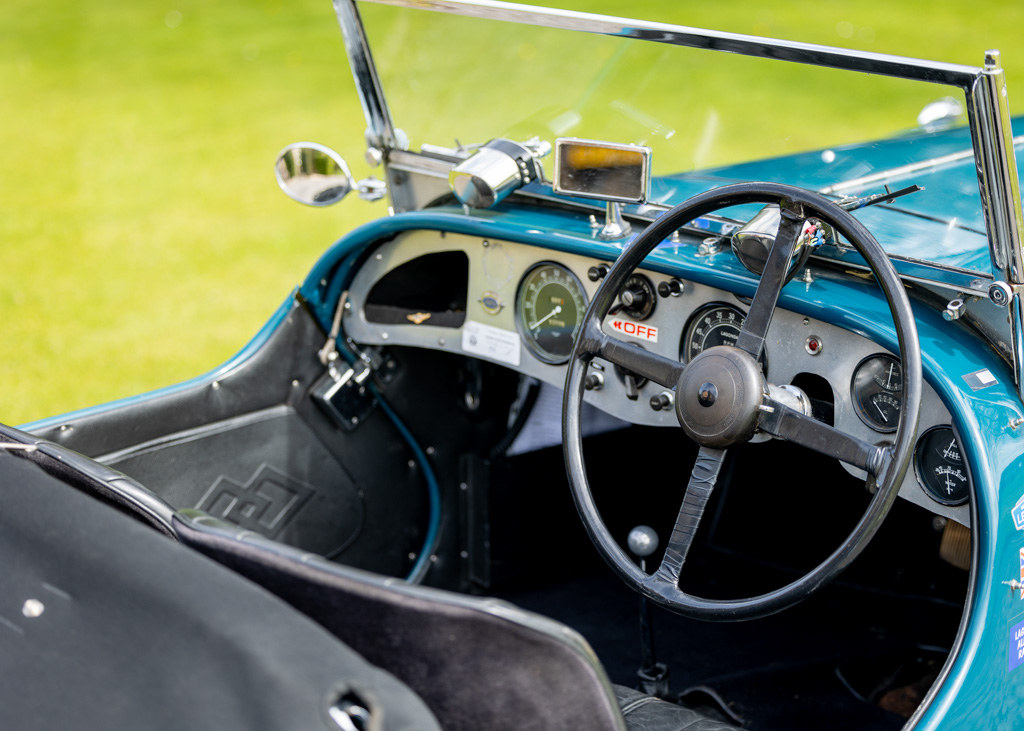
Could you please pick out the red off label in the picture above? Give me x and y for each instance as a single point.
(636, 330)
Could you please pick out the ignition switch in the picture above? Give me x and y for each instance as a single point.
(637, 298)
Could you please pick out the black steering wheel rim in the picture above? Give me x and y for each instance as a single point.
(889, 465)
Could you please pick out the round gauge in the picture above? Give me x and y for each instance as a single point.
(716, 324)
(940, 466)
(549, 311)
(877, 392)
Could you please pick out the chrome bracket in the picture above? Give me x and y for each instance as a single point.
(615, 226)
(18, 447)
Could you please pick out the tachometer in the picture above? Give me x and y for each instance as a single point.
(877, 388)
(549, 311)
(715, 324)
(940, 466)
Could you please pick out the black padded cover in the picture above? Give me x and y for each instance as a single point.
(480, 664)
(106, 624)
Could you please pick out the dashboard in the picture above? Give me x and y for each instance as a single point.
(521, 306)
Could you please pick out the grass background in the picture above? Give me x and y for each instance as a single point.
(143, 236)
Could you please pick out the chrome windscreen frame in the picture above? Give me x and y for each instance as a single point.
(984, 89)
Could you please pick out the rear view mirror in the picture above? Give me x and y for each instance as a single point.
(312, 174)
(602, 170)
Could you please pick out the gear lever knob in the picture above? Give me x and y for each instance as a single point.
(642, 541)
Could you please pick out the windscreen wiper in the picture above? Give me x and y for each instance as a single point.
(888, 196)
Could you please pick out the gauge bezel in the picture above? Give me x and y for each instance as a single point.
(528, 340)
(684, 340)
(855, 399)
(917, 467)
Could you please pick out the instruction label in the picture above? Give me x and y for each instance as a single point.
(491, 342)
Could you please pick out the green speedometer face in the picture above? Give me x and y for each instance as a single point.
(549, 311)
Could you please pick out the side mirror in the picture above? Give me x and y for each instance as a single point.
(941, 114)
(312, 174)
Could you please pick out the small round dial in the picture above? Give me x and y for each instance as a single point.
(716, 324)
(637, 298)
(549, 311)
(877, 392)
(940, 466)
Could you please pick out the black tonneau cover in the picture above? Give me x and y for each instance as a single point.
(106, 624)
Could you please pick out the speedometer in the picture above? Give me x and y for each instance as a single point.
(714, 324)
(549, 311)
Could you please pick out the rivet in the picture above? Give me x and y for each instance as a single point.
(32, 608)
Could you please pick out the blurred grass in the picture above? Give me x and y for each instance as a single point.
(144, 239)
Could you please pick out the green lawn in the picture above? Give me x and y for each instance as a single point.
(144, 238)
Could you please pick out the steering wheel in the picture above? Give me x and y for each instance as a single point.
(722, 399)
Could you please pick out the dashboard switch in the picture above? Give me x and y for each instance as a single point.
(663, 400)
(597, 272)
(671, 288)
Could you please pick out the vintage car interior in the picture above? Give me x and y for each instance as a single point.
(549, 380)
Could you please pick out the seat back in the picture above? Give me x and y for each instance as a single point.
(478, 663)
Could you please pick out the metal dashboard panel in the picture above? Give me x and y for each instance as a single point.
(495, 270)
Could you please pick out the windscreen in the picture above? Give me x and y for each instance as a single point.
(710, 118)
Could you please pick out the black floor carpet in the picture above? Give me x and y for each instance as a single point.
(780, 672)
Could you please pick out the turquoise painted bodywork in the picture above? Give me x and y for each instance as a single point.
(979, 690)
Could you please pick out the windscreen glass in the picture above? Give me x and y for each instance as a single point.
(710, 118)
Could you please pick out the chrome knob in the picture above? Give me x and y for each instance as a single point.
(642, 541)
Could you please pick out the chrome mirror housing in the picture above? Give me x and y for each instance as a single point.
(498, 168)
(753, 242)
(602, 170)
(941, 114)
(312, 174)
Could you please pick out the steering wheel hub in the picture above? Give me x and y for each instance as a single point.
(718, 396)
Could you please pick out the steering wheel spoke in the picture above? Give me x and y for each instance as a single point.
(789, 424)
(773, 278)
(663, 371)
(698, 492)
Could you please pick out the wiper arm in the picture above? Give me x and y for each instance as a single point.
(888, 196)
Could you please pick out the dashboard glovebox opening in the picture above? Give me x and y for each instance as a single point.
(429, 289)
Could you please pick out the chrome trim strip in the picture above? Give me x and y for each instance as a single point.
(414, 162)
(1017, 338)
(679, 35)
(380, 128)
(989, 116)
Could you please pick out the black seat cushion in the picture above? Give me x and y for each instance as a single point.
(480, 664)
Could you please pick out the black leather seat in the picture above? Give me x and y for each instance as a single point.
(479, 664)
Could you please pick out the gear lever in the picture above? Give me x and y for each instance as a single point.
(653, 676)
